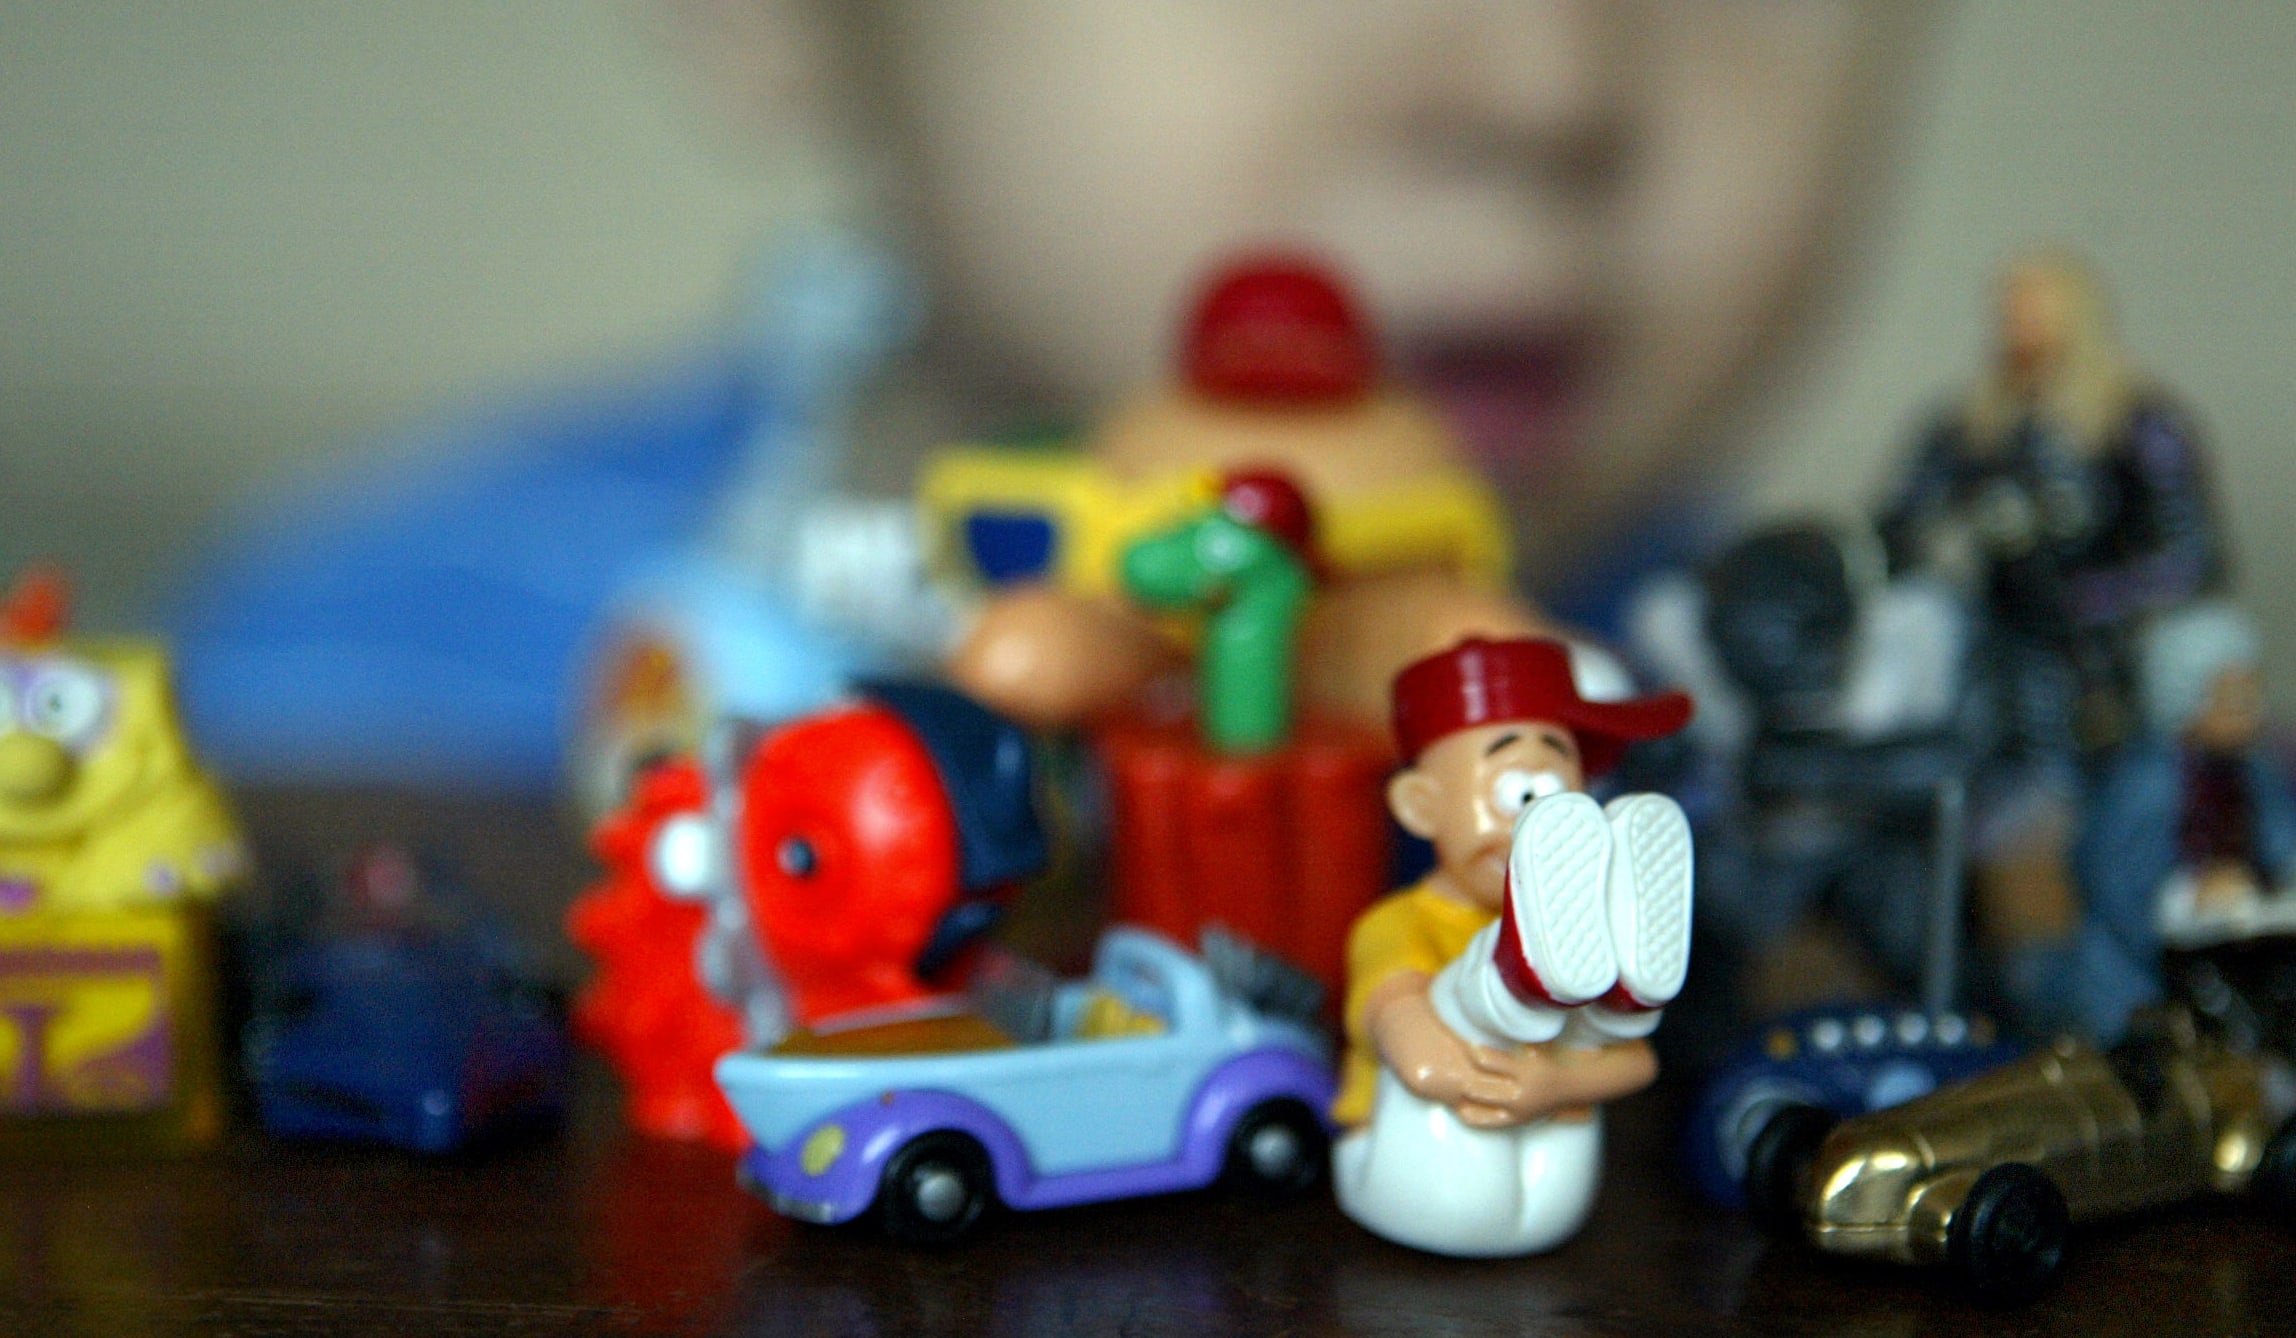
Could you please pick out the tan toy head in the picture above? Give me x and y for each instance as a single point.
(1465, 791)
(1488, 727)
(1279, 370)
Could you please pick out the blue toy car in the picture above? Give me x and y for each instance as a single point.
(1157, 1073)
(401, 1029)
(1847, 1060)
(422, 1044)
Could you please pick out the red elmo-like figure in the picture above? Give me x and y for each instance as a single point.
(848, 858)
(645, 1009)
(848, 862)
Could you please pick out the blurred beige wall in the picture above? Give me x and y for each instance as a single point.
(241, 236)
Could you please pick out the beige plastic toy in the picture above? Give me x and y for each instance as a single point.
(1279, 373)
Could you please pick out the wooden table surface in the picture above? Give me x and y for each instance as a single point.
(594, 1231)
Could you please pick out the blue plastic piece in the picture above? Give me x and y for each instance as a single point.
(1009, 546)
(984, 764)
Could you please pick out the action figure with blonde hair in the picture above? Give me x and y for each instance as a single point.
(2069, 497)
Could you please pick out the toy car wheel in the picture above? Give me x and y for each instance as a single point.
(2275, 1180)
(935, 1189)
(1778, 1161)
(2007, 1239)
(1278, 1149)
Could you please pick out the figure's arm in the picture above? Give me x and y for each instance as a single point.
(1566, 1080)
(1491, 1088)
(1427, 1056)
(2174, 553)
(1051, 659)
(1918, 506)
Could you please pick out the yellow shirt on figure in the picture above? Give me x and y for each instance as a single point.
(1417, 929)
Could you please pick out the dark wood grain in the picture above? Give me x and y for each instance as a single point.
(592, 1231)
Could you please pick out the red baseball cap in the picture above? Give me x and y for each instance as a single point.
(1480, 682)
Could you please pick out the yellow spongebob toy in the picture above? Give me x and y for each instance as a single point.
(113, 844)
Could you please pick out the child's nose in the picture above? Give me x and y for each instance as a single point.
(1536, 83)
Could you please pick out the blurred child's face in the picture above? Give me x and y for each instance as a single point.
(1581, 225)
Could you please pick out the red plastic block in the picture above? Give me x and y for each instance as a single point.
(1285, 848)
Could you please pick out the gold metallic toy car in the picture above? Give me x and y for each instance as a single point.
(1984, 1176)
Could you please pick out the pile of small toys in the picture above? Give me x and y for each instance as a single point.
(119, 863)
(1999, 750)
(1399, 877)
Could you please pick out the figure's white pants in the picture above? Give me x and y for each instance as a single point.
(1419, 1177)
(1416, 1173)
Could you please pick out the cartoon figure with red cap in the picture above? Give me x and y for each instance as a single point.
(1493, 1004)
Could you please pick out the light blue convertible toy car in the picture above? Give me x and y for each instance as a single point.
(1162, 1071)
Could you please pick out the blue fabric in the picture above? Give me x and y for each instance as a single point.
(2127, 848)
(422, 620)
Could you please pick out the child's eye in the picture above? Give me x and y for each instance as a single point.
(1514, 789)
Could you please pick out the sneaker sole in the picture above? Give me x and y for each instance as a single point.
(1649, 896)
(1558, 868)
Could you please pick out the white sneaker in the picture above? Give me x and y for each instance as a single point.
(1649, 900)
(1554, 945)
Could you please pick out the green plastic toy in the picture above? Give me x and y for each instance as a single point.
(1248, 563)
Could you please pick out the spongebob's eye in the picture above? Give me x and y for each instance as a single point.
(1514, 789)
(64, 702)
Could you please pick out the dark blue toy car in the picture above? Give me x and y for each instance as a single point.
(390, 1031)
(1845, 1059)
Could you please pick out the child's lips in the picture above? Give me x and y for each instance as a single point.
(1514, 396)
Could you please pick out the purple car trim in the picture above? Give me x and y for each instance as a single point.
(878, 1128)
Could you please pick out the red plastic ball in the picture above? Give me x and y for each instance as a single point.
(1278, 330)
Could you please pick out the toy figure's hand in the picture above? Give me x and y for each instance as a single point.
(1558, 1080)
(1049, 659)
(1492, 1088)
(1427, 1056)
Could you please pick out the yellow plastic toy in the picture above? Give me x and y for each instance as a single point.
(113, 844)
(998, 514)
(101, 805)
(1278, 375)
